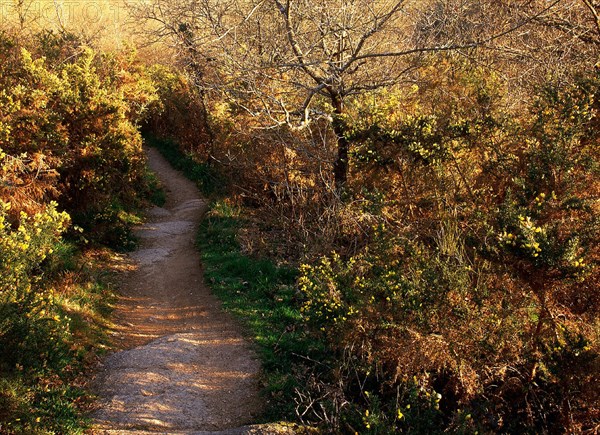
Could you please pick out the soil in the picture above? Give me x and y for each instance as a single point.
(183, 366)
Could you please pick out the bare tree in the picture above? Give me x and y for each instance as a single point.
(292, 62)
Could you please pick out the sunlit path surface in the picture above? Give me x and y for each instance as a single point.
(184, 367)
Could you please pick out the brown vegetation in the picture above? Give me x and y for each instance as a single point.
(432, 164)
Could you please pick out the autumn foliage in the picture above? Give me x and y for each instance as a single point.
(475, 293)
(68, 128)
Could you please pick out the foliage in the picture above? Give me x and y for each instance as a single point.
(484, 274)
(26, 325)
(71, 120)
(450, 266)
(181, 113)
(71, 170)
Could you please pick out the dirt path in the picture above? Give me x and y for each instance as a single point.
(184, 367)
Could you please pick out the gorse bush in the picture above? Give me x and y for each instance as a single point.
(26, 247)
(478, 297)
(180, 112)
(35, 335)
(28, 321)
(72, 119)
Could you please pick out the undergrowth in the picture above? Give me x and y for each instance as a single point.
(52, 340)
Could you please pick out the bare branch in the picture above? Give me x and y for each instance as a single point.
(453, 47)
(291, 35)
(594, 12)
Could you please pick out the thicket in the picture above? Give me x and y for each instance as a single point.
(72, 174)
(472, 304)
(69, 124)
(454, 277)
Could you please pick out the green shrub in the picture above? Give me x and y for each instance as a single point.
(28, 324)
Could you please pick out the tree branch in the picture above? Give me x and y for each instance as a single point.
(291, 35)
(595, 13)
(452, 47)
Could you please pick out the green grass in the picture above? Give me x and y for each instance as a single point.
(257, 291)
(264, 297)
(39, 408)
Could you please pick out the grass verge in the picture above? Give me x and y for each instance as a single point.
(263, 296)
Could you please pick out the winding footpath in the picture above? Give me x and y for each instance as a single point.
(184, 367)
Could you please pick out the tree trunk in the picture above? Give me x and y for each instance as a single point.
(340, 166)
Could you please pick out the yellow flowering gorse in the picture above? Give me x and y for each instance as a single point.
(23, 249)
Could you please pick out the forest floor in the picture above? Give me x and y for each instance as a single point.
(183, 366)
